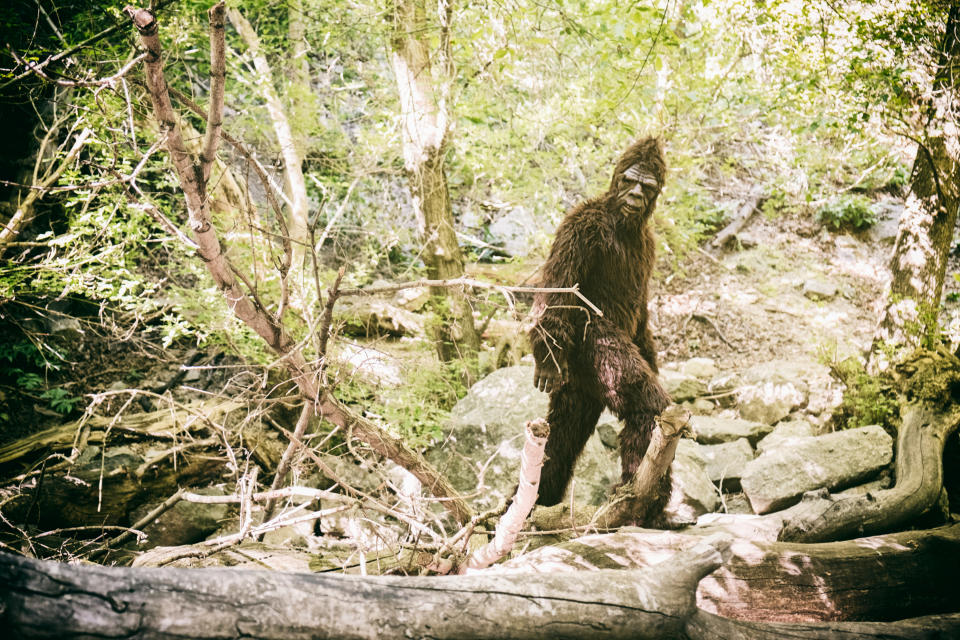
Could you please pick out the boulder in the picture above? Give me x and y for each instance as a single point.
(681, 386)
(786, 430)
(725, 462)
(485, 435)
(714, 430)
(772, 400)
(819, 289)
(373, 366)
(703, 368)
(691, 492)
(780, 477)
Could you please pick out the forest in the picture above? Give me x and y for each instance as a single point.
(491, 319)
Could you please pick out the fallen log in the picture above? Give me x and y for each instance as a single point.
(93, 429)
(739, 220)
(929, 415)
(53, 600)
(882, 578)
(706, 626)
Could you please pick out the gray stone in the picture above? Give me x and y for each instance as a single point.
(714, 430)
(819, 289)
(888, 221)
(737, 503)
(702, 406)
(691, 492)
(681, 386)
(778, 478)
(725, 462)
(704, 368)
(771, 401)
(65, 327)
(184, 523)
(485, 433)
(786, 430)
(514, 229)
(193, 375)
(371, 365)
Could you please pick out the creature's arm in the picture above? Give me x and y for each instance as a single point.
(644, 340)
(559, 318)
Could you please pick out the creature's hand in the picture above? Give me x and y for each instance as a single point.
(547, 377)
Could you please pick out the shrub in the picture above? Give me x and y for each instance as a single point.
(848, 212)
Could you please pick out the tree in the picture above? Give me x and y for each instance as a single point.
(919, 260)
(425, 127)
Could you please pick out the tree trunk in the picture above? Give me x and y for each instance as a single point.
(53, 600)
(425, 127)
(292, 160)
(919, 260)
(889, 577)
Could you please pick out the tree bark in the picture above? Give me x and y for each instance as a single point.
(292, 160)
(425, 125)
(53, 600)
(919, 261)
(880, 578)
(248, 308)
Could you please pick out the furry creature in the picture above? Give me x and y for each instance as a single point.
(587, 362)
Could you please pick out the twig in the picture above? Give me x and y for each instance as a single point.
(308, 410)
(469, 282)
(707, 320)
(136, 528)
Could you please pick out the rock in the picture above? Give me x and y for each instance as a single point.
(819, 289)
(691, 492)
(411, 299)
(771, 401)
(704, 368)
(737, 503)
(702, 406)
(725, 462)
(608, 430)
(514, 228)
(714, 430)
(184, 523)
(786, 430)
(745, 240)
(65, 327)
(118, 385)
(845, 242)
(371, 365)
(778, 478)
(193, 374)
(295, 535)
(888, 221)
(681, 386)
(371, 317)
(487, 425)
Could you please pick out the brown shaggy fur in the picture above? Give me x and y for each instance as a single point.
(588, 362)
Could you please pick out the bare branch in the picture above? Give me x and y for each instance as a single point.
(218, 74)
(468, 282)
(531, 462)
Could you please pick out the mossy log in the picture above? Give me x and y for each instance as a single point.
(94, 429)
(881, 578)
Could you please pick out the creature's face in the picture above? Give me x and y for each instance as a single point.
(636, 190)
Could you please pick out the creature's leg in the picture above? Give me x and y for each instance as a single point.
(629, 387)
(573, 416)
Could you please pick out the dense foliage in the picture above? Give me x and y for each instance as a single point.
(796, 99)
